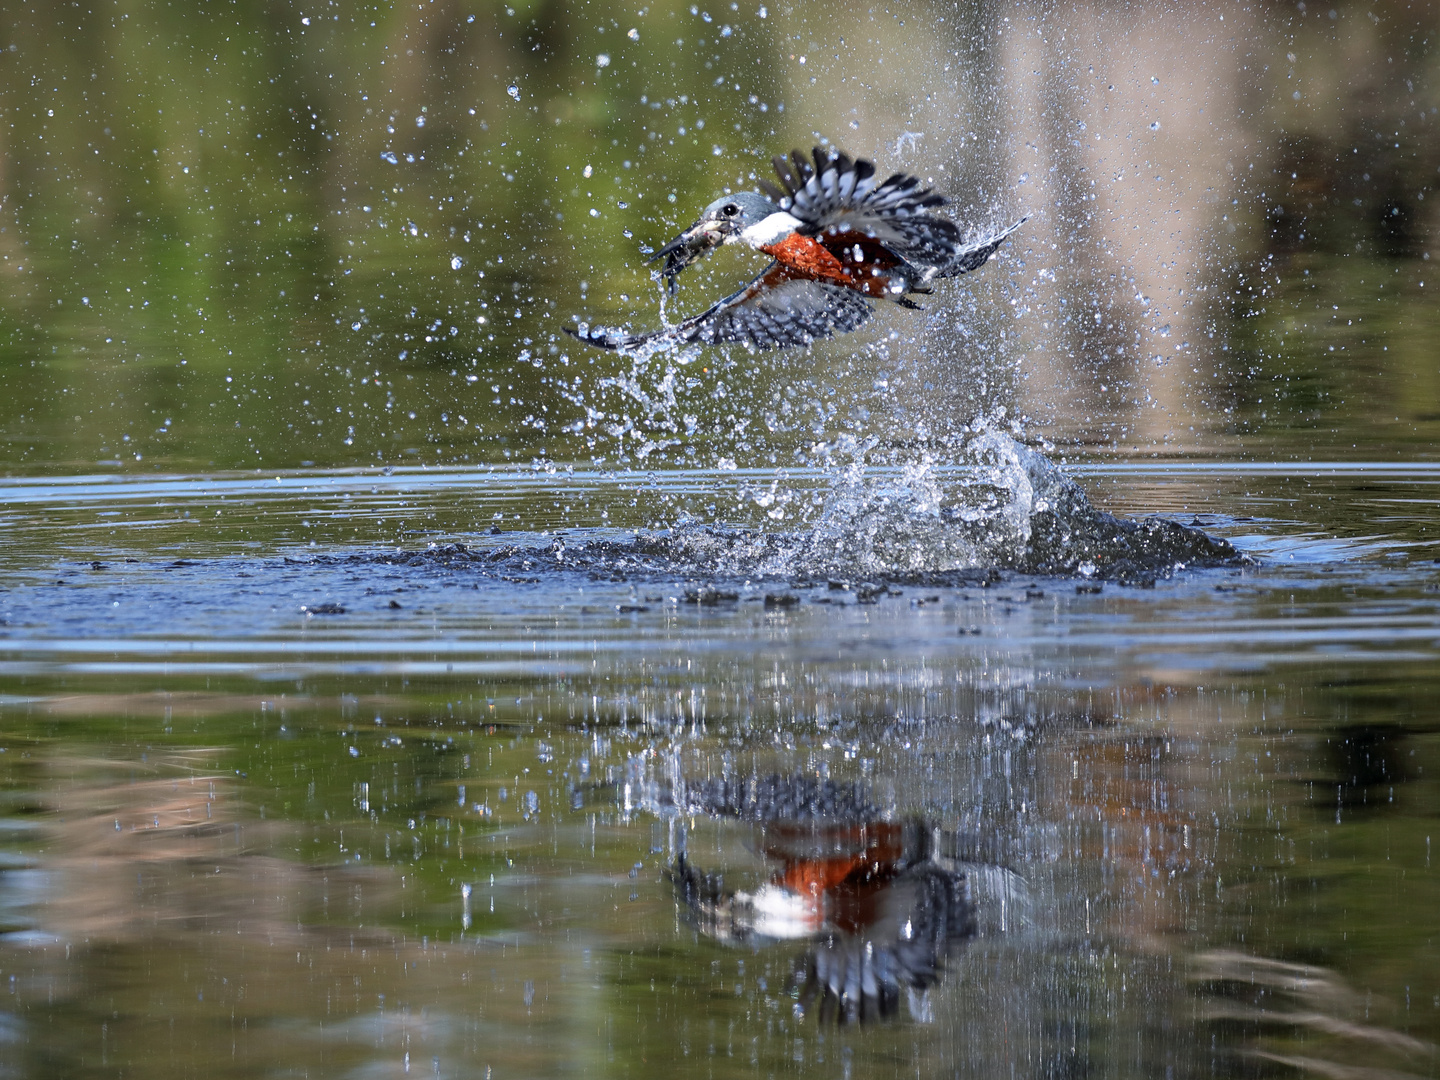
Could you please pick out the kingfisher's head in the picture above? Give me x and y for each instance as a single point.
(722, 222)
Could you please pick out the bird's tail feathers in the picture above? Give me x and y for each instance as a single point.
(976, 251)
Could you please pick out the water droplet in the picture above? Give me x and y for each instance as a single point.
(513, 91)
(456, 262)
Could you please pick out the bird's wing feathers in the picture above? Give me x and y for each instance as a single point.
(837, 195)
(976, 252)
(777, 309)
(794, 311)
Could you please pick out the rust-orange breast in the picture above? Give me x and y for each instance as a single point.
(807, 257)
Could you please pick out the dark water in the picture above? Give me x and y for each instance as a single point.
(1039, 685)
(315, 809)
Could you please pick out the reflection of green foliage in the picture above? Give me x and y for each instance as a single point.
(1338, 842)
(194, 197)
(1328, 344)
(391, 804)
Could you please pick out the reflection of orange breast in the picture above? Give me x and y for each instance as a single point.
(815, 877)
(811, 258)
(849, 852)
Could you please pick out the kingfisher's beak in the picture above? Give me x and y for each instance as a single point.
(694, 243)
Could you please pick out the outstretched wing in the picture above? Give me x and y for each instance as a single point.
(976, 252)
(839, 195)
(840, 201)
(777, 309)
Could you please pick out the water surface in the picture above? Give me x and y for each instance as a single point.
(319, 808)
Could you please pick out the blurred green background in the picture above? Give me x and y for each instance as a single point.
(267, 235)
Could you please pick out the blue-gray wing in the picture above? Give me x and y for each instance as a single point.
(775, 310)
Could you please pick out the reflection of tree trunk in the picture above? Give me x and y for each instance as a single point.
(436, 60)
(434, 66)
(964, 356)
(1136, 821)
(959, 354)
(1090, 344)
(1124, 131)
(982, 81)
(12, 249)
(1091, 314)
(174, 850)
(1127, 126)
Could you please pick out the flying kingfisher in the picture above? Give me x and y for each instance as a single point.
(837, 239)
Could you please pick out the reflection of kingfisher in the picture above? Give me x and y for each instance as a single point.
(838, 238)
(879, 902)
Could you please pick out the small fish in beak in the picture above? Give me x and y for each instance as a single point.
(695, 242)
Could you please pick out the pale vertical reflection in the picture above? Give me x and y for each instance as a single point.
(1136, 122)
(1123, 130)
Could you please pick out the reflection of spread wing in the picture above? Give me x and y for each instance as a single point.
(778, 797)
(777, 309)
(921, 917)
(838, 196)
(913, 923)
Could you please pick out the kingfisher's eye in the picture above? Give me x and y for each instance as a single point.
(730, 209)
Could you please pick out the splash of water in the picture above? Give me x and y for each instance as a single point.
(963, 498)
(1002, 505)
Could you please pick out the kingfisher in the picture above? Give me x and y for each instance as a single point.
(882, 902)
(838, 239)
